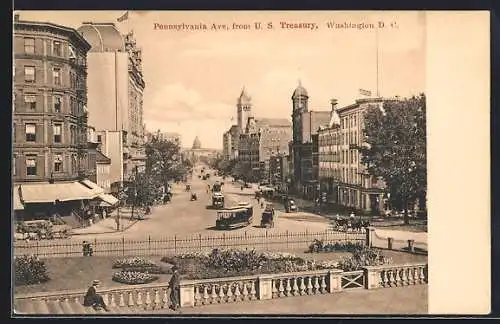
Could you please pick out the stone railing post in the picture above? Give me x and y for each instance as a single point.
(411, 245)
(369, 235)
(372, 277)
(187, 293)
(390, 240)
(334, 281)
(265, 284)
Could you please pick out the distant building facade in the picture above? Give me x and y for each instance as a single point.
(342, 175)
(305, 125)
(262, 139)
(115, 92)
(230, 143)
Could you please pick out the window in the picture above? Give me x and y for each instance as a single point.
(99, 138)
(56, 74)
(30, 102)
(31, 165)
(57, 133)
(29, 45)
(72, 53)
(57, 104)
(56, 48)
(58, 163)
(29, 73)
(30, 131)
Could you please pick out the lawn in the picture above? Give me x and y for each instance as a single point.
(77, 273)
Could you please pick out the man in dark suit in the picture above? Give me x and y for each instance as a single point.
(92, 298)
(174, 285)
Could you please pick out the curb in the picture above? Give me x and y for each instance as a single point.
(109, 231)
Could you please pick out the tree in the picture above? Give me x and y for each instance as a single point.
(146, 189)
(395, 149)
(164, 161)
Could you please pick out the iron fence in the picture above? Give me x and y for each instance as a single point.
(269, 241)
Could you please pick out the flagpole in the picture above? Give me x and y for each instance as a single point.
(376, 59)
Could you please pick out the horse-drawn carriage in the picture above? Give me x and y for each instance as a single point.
(41, 229)
(350, 224)
(267, 217)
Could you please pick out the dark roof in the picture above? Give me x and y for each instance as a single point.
(300, 91)
(71, 32)
(101, 158)
(262, 122)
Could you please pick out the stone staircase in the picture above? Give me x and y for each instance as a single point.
(124, 300)
(71, 307)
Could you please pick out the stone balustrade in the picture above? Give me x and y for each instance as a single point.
(306, 283)
(219, 290)
(248, 288)
(147, 297)
(396, 275)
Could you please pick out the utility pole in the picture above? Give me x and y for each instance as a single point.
(134, 199)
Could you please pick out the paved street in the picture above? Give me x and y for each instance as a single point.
(183, 217)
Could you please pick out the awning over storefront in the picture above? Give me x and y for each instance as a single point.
(108, 200)
(93, 186)
(16, 200)
(50, 192)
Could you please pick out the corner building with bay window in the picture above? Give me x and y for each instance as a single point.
(49, 98)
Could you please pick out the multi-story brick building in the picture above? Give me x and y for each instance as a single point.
(50, 149)
(342, 175)
(262, 139)
(49, 118)
(230, 143)
(115, 91)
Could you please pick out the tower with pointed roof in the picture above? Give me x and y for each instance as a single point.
(243, 109)
(300, 105)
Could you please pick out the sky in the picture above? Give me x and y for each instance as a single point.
(194, 77)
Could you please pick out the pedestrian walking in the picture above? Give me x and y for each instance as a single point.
(92, 298)
(174, 285)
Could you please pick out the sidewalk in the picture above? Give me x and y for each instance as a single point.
(107, 225)
(398, 300)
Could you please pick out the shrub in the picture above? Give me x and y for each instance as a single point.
(234, 260)
(362, 258)
(30, 270)
(133, 277)
(320, 246)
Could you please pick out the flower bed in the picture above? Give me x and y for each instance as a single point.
(233, 263)
(133, 277)
(139, 265)
(363, 258)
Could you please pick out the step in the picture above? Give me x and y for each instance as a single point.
(66, 307)
(40, 307)
(54, 307)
